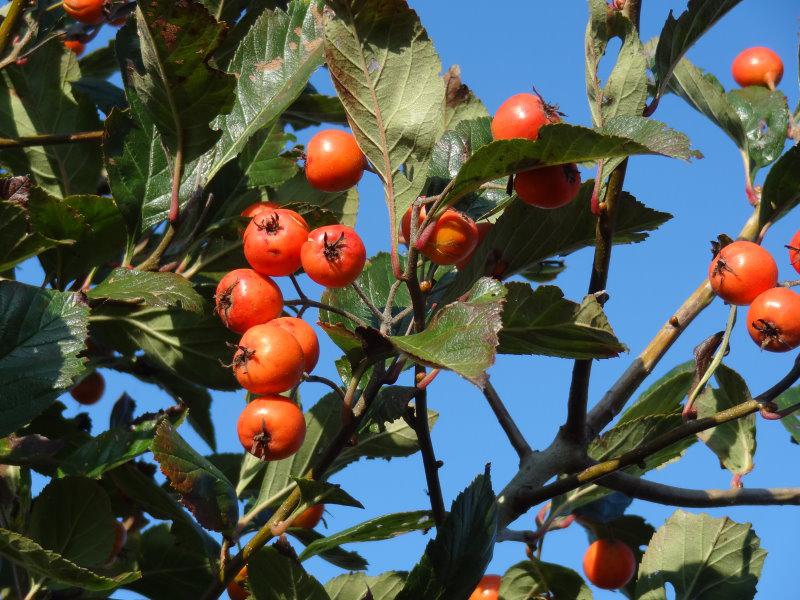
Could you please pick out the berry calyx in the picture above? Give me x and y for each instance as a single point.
(757, 66)
(244, 299)
(272, 241)
(609, 564)
(334, 161)
(773, 320)
(268, 360)
(741, 271)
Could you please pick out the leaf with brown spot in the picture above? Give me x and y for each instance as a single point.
(462, 336)
(204, 489)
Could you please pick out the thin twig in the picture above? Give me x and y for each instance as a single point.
(429, 462)
(9, 23)
(50, 139)
(152, 262)
(325, 381)
(515, 436)
(307, 302)
(678, 496)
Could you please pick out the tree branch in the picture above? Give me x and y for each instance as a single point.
(51, 139)
(616, 397)
(429, 462)
(678, 496)
(515, 436)
(10, 22)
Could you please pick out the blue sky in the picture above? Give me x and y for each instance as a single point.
(504, 48)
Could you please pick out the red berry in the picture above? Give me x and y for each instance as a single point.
(245, 298)
(257, 208)
(488, 588)
(76, 46)
(89, 389)
(310, 517)
(236, 587)
(85, 11)
(271, 428)
(272, 241)
(741, 271)
(773, 320)
(548, 187)
(609, 564)
(305, 336)
(334, 162)
(794, 251)
(268, 360)
(521, 116)
(333, 256)
(757, 66)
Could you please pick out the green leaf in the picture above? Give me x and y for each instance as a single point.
(455, 560)
(113, 447)
(734, 442)
(386, 72)
(625, 91)
(181, 93)
(172, 565)
(705, 93)
(557, 144)
(534, 579)
(543, 322)
(92, 224)
(462, 336)
(318, 492)
(179, 341)
(701, 556)
(523, 236)
(195, 397)
(311, 109)
(678, 35)
(663, 397)
(26, 553)
(37, 98)
(17, 241)
(781, 191)
(350, 561)
(100, 63)
(354, 586)
(379, 528)
(103, 94)
(203, 488)
(41, 334)
(272, 65)
(792, 421)
(273, 576)
(765, 118)
(376, 279)
(72, 517)
(298, 193)
(147, 288)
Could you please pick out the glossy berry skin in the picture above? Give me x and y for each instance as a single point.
(522, 116)
(305, 336)
(609, 564)
(257, 208)
(271, 428)
(483, 230)
(310, 517)
(757, 66)
(85, 11)
(245, 299)
(268, 360)
(272, 241)
(794, 251)
(236, 589)
(89, 389)
(741, 271)
(773, 320)
(76, 46)
(548, 187)
(488, 588)
(454, 238)
(334, 162)
(333, 256)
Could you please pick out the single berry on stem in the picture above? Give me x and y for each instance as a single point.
(609, 564)
(271, 428)
(244, 299)
(757, 66)
(548, 187)
(741, 271)
(272, 241)
(773, 320)
(333, 256)
(90, 389)
(334, 162)
(268, 359)
(522, 116)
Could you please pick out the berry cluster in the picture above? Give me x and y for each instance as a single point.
(745, 274)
